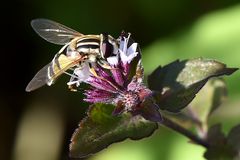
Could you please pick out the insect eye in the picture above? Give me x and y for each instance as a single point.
(107, 48)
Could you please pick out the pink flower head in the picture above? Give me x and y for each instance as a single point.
(122, 85)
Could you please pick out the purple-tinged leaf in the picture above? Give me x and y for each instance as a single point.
(222, 147)
(177, 83)
(149, 110)
(215, 136)
(234, 139)
(100, 129)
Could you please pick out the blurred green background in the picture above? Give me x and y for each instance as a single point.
(38, 125)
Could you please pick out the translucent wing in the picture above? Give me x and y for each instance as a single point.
(54, 32)
(49, 73)
(39, 80)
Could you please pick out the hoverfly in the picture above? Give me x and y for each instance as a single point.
(78, 49)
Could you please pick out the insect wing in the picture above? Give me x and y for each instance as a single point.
(39, 80)
(49, 73)
(54, 32)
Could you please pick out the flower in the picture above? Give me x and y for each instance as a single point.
(79, 75)
(122, 85)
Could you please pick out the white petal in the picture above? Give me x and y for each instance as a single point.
(82, 73)
(127, 58)
(123, 44)
(132, 49)
(127, 54)
(113, 61)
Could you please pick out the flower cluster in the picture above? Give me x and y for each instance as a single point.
(122, 85)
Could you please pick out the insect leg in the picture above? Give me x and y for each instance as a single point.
(104, 64)
(92, 70)
(70, 74)
(73, 84)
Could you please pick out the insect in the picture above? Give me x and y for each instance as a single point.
(78, 50)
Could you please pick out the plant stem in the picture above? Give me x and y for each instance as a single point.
(176, 127)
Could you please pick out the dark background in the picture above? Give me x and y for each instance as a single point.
(152, 23)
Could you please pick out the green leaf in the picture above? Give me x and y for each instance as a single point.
(207, 100)
(100, 129)
(177, 83)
